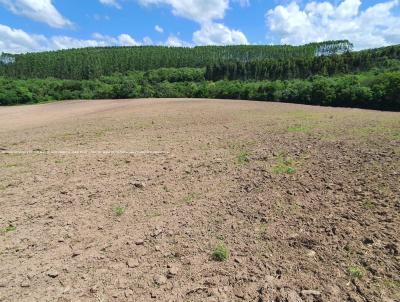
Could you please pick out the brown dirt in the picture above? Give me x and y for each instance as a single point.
(306, 199)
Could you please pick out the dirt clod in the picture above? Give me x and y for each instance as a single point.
(160, 280)
(52, 273)
(132, 263)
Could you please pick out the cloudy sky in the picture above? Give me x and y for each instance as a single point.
(36, 25)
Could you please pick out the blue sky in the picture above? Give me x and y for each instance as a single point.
(37, 25)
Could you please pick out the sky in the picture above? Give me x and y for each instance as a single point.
(41, 25)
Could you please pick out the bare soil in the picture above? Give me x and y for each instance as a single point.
(306, 200)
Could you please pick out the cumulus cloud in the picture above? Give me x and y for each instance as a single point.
(174, 41)
(38, 10)
(19, 41)
(113, 3)
(196, 10)
(205, 12)
(218, 34)
(377, 25)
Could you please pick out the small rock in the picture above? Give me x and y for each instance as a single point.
(311, 253)
(132, 263)
(25, 284)
(160, 280)
(75, 254)
(239, 293)
(311, 293)
(173, 271)
(157, 232)
(138, 184)
(292, 296)
(139, 242)
(238, 260)
(128, 293)
(52, 273)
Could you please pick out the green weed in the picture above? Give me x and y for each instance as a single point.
(298, 128)
(243, 158)
(8, 229)
(119, 210)
(191, 198)
(220, 253)
(284, 166)
(356, 272)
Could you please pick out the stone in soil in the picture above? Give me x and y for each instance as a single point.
(132, 263)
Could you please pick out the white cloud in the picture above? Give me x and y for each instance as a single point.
(196, 10)
(111, 3)
(127, 40)
(38, 10)
(147, 41)
(218, 34)
(174, 41)
(159, 29)
(18, 41)
(205, 12)
(375, 26)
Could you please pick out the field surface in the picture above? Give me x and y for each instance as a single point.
(301, 202)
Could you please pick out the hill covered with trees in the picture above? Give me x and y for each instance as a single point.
(327, 74)
(91, 63)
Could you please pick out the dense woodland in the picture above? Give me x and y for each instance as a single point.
(368, 90)
(327, 74)
(91, 63)
(305, 67)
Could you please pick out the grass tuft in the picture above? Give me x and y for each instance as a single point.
(284, 166)
(298, 128)
(243, 158)
(190, 199)
(119, 210)
(356, 272)
(220, 253)
(8, 229)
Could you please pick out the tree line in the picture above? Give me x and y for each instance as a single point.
(304, 67)
(366, 90)
(92, 63)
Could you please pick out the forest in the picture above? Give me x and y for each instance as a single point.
(327, 74)
(91, 63)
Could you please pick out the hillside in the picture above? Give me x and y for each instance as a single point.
(91, 63)
(327, 74)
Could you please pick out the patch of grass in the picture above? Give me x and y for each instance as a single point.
(368, 205)
(298, 128)
(356, 272)
(119, 210)
(284, 166)
(220, 253)
(11, 165)
(392, 284)
(191, 198)
(243, 158)
(8, 229)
